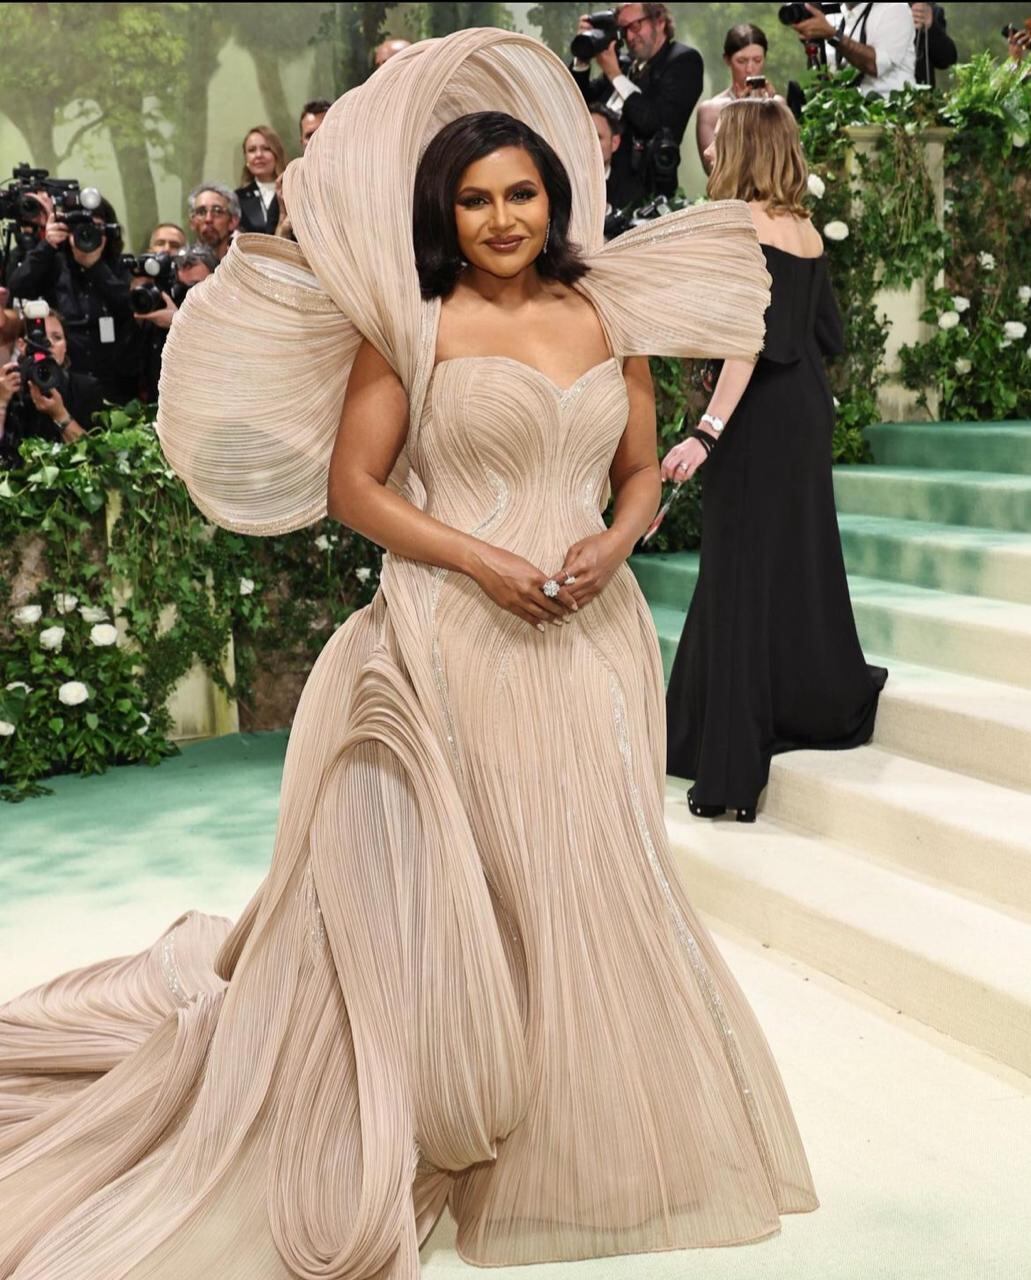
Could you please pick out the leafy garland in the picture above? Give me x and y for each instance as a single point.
(112, 586)
(977, 358)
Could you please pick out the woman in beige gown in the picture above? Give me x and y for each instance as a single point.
(471, 977)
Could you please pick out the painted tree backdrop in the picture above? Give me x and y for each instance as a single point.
(147, 100)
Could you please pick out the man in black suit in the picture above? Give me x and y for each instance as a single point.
(653, 96)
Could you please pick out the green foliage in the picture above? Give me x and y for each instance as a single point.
(101, 533)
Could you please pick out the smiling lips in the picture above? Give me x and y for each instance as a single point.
(505, 245)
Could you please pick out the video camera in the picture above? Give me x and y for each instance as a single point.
(588, 44)
(74, 205)
(37, 365)
(159, 268)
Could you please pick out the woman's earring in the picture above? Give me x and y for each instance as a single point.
(547, 237)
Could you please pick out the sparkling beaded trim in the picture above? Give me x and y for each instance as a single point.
(702, 972)
(170, 968)
(309, 897)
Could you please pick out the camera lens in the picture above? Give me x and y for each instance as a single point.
(87, 236)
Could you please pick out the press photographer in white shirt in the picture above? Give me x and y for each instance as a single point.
(876, 39)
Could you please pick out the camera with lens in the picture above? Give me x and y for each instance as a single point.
(790, 14)
(605, 31)
(74, 205)
(37, 366)
(160, 273)
(17, 201)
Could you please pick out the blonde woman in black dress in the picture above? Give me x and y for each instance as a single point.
(769, 660)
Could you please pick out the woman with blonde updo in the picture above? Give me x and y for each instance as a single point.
(769, 660)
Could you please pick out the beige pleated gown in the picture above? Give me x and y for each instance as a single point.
(471, 975)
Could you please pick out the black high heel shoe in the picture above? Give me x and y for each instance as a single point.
(745, 815)
(704, 810)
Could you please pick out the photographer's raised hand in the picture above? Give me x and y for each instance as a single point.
(10, 383)
(56, 233)
(162, 318)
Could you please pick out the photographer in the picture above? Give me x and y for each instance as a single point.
(160, 284)
(876, 39)
(935, 49)
(654, 93)
(89, 288)
(62, 409)
(167, 237)
(214, 216)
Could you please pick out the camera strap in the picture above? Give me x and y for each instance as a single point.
(858, 33)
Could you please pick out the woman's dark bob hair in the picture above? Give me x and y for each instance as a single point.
(457, 146)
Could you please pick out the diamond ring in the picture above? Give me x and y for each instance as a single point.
(551, 588)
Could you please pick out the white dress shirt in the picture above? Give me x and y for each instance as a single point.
(890, 30)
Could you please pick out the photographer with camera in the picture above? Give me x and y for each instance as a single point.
(876, 39)
(77, 269)
(161, 282)
(653, 91)
(40, 395)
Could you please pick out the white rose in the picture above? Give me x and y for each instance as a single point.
(146, 723)
(962, 366)
(64, 602)
(103, 634)
(73, 693)
(987, 260)
(815, 186)
(322, 542)
(948, 320)
(960, 304)
(6, 728)
(1019, 140)
(363, 575)
(836, 231)
(51, 637)
(90, 613)
(28, 615)
(1004, 343)
(246, 586)
(1024, 293)
(1014, 329)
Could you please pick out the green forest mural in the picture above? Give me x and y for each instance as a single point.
(146, 100)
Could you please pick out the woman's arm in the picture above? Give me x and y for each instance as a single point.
(684, 459)
(634, 475)
(372, 433)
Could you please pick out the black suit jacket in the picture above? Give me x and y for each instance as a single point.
(670, 84)
(252, 212)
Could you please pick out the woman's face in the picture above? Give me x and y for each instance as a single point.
(58, 342)
(260, 158)
(748, 61)
(501, 212)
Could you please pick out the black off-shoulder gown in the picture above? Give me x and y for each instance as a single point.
(769, 659)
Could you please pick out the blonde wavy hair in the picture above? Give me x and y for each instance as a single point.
(759, 156)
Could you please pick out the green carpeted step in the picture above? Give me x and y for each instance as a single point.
(976, 635)
(1003, 447)
(982, 562)
(980, 499)
(668, 578)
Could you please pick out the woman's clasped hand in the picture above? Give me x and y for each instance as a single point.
(518, 586)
